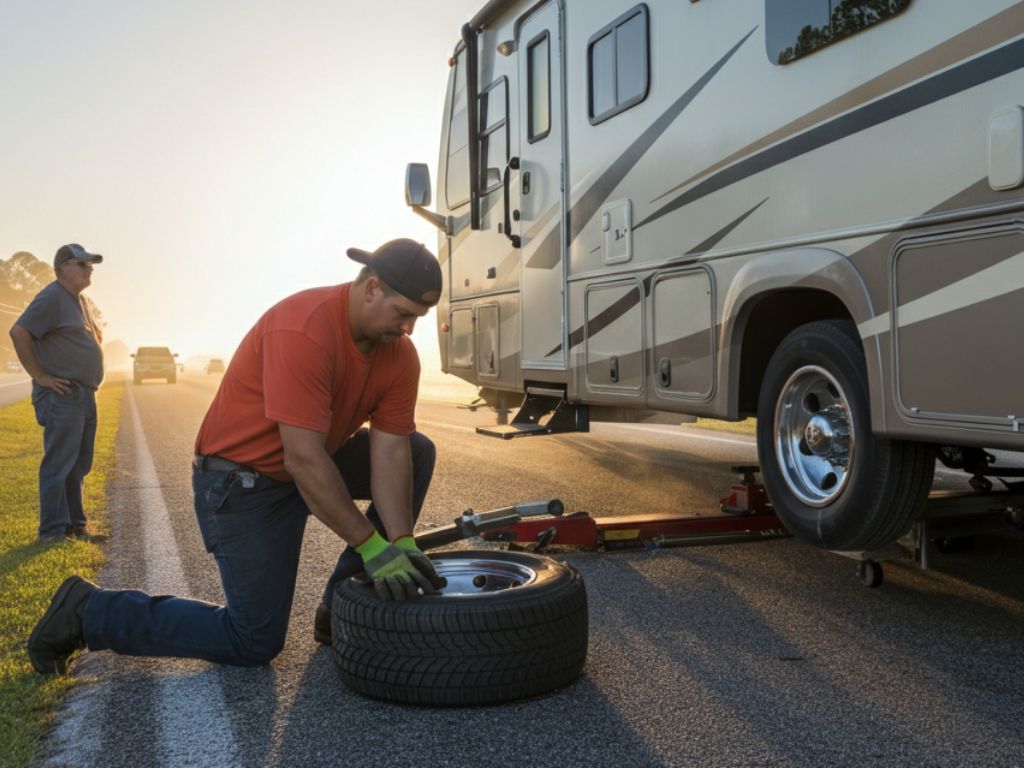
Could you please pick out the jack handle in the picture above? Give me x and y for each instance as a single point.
(471, 523)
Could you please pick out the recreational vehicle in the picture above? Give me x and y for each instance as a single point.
(808, 211)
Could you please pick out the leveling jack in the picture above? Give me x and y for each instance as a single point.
(748, 516)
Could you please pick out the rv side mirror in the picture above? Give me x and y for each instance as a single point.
(417, 185)
(417, 196)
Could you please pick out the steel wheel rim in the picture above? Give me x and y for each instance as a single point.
(814, 436)
(481, 575)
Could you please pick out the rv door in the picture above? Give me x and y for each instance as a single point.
(541, 209)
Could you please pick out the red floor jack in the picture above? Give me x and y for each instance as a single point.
(748, 516)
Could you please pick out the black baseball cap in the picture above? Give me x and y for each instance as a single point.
(74, 252)
(407, 266)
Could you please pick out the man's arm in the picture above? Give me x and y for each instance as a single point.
(320, 484)
(23, 348)
(391, 481)
(395, 576)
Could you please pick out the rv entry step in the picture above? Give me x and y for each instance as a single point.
(561, 416)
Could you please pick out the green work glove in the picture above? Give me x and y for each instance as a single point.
(423, 563)
(394, 576)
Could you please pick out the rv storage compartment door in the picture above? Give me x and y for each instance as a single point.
(614, 337)
(683, 342)
(959, 326)
(487, 347)
(460, 340)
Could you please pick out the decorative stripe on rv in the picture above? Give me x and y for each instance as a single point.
(603, 319)
(590, 203)
(975, 72)
(969, 43)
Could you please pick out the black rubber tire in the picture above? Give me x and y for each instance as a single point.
(888, 481)
(464, 650)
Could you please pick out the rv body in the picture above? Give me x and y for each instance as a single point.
(641, 202)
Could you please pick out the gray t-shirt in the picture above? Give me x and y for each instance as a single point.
(63, 338)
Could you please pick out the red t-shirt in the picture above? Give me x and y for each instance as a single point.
(299, 366)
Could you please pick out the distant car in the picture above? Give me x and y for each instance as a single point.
(12, 367)
(155, 363)
(214, 365)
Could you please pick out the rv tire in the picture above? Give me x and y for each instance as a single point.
(509, 625)
(831, 480)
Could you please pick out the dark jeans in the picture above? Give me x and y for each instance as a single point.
(256, 536)
(69, 434)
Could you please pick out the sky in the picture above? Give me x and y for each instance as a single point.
(220, 154)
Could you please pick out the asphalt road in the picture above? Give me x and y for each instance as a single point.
(766, 654)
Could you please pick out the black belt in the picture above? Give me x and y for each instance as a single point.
(217, 464)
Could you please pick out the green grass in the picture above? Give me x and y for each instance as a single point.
(30, 572)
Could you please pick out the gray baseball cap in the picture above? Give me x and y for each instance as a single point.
(407, 266)
(74, 252)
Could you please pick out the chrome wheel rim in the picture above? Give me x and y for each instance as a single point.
(481, 575)
(814, 436)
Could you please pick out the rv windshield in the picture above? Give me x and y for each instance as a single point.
(456, 184)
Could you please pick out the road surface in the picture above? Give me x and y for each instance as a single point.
(767, 654)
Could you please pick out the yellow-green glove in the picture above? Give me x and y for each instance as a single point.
(423, 563)
(393, 574)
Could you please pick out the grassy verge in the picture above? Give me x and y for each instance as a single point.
(31, 572)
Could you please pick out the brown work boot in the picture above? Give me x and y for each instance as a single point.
(322, 625)
(51, 538)
(59, 633)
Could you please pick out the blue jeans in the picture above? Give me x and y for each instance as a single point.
(69, 435)
(255, 534)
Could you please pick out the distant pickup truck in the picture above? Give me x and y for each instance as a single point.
(214, 365)
(155, 363)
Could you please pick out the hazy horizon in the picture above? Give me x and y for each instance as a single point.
(221, 156)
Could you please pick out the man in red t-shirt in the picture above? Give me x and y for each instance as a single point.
(282, 439)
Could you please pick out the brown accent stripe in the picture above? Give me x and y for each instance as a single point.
(988, 34)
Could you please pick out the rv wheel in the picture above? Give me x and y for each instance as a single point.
(833, 482)
(509, 625)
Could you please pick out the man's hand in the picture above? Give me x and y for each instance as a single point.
(394, 576)
(22, 341)
(60, 386)
(423, 563)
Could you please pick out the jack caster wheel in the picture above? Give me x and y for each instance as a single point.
(869, 573)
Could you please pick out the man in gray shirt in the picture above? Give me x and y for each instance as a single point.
(59, 345)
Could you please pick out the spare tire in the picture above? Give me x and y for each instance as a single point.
(509, 625)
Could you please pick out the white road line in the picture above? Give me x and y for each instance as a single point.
(190, 706)
(16, 383)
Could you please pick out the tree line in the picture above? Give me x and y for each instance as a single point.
(22, 276)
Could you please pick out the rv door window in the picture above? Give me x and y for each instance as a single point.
(538, 99)
(493, 135)
(456, 185)
(618, 65)
(795, 28)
